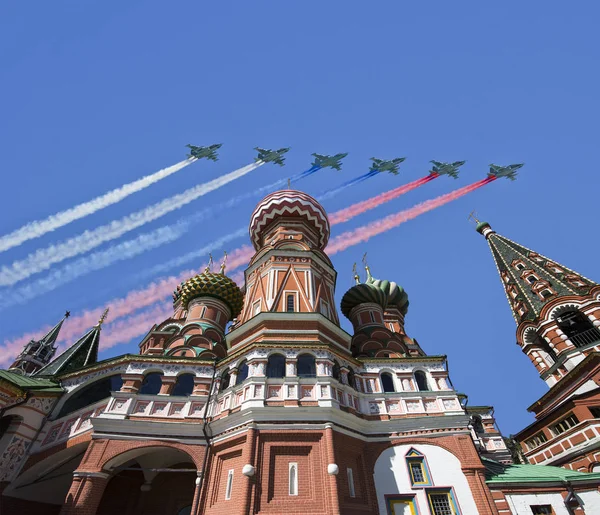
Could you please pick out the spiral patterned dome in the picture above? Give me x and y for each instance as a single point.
(209, 284)
(396, 296)
(289, 204)
(362, 293)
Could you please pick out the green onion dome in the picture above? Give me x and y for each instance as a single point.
(396, 296)
(362, 293)
(209, 284)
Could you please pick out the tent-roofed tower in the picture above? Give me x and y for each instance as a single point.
(38, 353)
(557, 310)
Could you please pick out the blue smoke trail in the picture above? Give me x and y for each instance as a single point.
(331, 193)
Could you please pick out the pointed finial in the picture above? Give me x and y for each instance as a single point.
(364, 260)
(289, 184)
(67, 314)
(356, 276)
(473, 216)
(210, 264)
(222, 271)
(103, 317)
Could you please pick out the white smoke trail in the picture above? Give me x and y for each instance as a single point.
(40, 227)
(43, 259)
(87, 264)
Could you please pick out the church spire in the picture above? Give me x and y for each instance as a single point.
(530, 280)
(82, 353)
(38, 353)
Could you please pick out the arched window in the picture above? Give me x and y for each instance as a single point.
(546, 293)
(387, 382)
(421, 380)
(293, 479)
(578, 328)
(306, 365)
(531, 279)
(335, 370)
(151, 384)
(184, 385)
(290, 303)
(276, 366)
(351, 379)
(91, 394)
(242, 374)
(225, 377)
(477, 424)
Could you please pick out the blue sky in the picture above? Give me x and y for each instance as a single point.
(94, 96)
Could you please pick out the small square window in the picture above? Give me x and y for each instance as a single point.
(256, 308)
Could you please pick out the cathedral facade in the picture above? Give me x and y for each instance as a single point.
(256, 401)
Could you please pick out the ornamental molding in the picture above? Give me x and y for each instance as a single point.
(170, 369)
(400, 367)
(72, 384)
(43, 404)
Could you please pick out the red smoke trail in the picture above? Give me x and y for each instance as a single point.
(366, 232)
(350, 212)
(160, 289)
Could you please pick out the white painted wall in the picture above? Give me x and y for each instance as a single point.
(392, 477)
(590, 501)
(521, 503)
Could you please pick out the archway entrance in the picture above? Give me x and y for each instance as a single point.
(150, 481)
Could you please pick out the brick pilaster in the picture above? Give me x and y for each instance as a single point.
(85, 493)
(332, 479)
(248, 459)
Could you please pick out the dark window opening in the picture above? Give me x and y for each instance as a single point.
(225, 377)
(421, 380)
(306, 366)
(595, 411)
(387, 382)
(242, 374)
(546, 294)
(151, 384)
(91, 394)
(276, 366)
(290, 303)
(578, 328)
(542, 509)
(477, 424)
(184, 385)
(335, 371)
(351, 379)
(565, 424)
(531, 279)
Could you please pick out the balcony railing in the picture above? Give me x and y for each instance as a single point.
(586, 337)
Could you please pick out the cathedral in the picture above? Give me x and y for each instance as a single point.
(253, 399)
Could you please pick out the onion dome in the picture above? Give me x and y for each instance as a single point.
(362, 293)
(210, 284)
(290, 204)
(396, 296)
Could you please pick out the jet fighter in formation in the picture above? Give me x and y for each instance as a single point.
(450, 169)
(271, 156)
(510, 171)
(325, 161)
(209, 152)
(381, 165)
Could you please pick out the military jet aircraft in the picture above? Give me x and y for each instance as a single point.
(381, 165)
(450, 169)
(209, 152)
(325, 161)
(509, 171)
(267, 156)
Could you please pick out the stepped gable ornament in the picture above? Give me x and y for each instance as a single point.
(289, 204)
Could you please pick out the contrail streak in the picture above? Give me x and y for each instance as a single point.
(43, 259)
(161, 288)
(38, 228)
(331, 193)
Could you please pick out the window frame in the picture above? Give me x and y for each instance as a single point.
(532, 506)
(286, 295)
(229, 485)
(383, 386)
(351, 488)
(414, 457)
(558, 428)
(449, 492)
(293, 481)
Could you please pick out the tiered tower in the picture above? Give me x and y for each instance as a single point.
(557, 312)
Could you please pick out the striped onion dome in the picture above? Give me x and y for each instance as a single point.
(362, 293)
(209, 284)
(289, 204)
(396, 296)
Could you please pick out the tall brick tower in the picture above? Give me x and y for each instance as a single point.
(557, 312)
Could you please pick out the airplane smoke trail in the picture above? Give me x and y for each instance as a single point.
(366, 232)
(40, 227)
(346, 214)
(43, 259)
(332, 192)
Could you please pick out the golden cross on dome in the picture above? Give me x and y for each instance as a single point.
(473, 215)
(364, 260)
(356, 276)
(103, 317)
(210, 264)
(289, 184)
(222, 271)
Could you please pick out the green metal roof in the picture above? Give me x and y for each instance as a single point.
(497, 473)
(30, 383)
